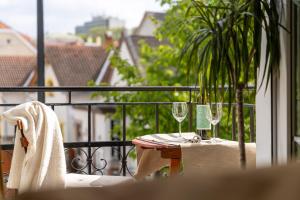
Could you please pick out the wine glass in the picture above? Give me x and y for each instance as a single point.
(179, 111)
(214, 114)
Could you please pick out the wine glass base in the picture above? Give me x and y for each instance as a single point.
(214, 140)
(179, 135)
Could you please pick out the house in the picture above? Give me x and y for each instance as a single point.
(74, 66)
(63, 39)
(99, 22)
(13, 43)
(17, 64)
(150, 22)
(17, 71)
(65, 65)
(130, 44)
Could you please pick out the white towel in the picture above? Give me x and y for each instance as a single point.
(43, 167)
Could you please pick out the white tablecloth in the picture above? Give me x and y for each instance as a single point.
(200, 157)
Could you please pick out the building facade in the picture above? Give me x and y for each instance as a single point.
(99, 22)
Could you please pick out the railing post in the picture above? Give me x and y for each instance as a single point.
(157, 118)
(252, 132)
(190, 111)
(233, 134)
(124, 162)
(217, 130)
(40, 49)
(89, 159)
(70, 97)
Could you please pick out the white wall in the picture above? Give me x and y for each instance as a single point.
(7, 130)
(283, 93)
(62, 112)
(147, 27)
(12, 44)
(124, 54)
(281, 111)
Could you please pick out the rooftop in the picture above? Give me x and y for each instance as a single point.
(16, 70)
(75, 65)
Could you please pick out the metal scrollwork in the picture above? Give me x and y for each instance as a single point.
(78, 164)
(98, 169)
(125, 159)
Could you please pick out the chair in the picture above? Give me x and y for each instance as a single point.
(80, 180)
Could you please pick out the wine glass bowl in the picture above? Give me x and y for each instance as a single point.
(179, 111)
(214, 115)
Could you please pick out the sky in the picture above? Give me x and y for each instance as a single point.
(61, 16)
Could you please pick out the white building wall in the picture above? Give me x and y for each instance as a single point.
(62, 112)
(12, 44)
(7, 130)
(115, 23)
(124, 54)
(147, 28)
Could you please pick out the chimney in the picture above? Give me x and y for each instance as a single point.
(98, 41)
(108, 40)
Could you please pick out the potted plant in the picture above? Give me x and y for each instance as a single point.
(224, 49)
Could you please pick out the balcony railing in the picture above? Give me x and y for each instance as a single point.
(122, 146)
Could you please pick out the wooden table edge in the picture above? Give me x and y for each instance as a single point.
(172, 152)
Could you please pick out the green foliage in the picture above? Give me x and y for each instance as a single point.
(224, 47)
(163, 67)
(158, 72)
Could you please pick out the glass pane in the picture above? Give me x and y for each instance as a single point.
(17, 55)
(78, 38)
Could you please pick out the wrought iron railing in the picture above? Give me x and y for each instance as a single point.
(88, 149)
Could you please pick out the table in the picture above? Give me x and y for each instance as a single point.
(156, 151)
(167, 151)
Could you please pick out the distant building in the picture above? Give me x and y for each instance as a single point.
(13, 43)
(66, 64)
(99, 21)
(130, 45)
(63, 39)
(150, 22)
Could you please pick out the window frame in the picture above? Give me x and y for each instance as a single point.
(295, 35)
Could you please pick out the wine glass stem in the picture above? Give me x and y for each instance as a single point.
(180, 128)
(214, 131)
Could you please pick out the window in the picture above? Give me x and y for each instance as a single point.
(296, 80)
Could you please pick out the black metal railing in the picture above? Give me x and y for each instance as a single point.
(88, 148)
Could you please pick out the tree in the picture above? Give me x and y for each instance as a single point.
(225, 48)
(162, 69)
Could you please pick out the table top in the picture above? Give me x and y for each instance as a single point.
(164, 141)
(153, 144)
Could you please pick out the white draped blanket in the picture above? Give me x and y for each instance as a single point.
(203, 157)
(44, 164)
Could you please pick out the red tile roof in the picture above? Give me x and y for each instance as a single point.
(15, 70)
(75, 65)
(4, 26)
